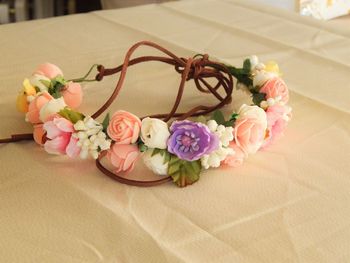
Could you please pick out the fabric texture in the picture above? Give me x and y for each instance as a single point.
(289, 203)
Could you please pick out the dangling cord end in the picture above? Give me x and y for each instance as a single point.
(18, 137)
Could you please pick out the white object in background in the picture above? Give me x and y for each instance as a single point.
(21, 11)
(4, 14)
(324, 9)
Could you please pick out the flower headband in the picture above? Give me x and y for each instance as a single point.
(175, 146)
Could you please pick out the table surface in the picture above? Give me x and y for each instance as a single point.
(289, 203)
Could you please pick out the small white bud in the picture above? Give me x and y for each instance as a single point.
(83, 154)
(82, 135)
(264, 104)
(260, 66)
(79, 126)
(86, 142)
(212, 125)
(101, 134)
(270, 101)
(93, 138)
(94, 154)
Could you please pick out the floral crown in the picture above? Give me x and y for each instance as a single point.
(175, 146)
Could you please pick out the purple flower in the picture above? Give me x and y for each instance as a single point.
(191, 140)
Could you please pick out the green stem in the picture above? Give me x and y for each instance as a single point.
(83, 79)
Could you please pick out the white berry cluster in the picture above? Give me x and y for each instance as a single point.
(225, 135)
(91, 137)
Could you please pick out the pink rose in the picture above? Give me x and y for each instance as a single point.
(123, 157)
(249, 134)
(33, 114)
(73, 95)
(59, 134)
(277, 120)
(275, 87)
(39, 134)
(124, 127)
(235, 159)
(48, 70)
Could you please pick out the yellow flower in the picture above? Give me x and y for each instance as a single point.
(27, 90)
(272, 67)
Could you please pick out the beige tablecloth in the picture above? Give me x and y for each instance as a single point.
(290, 203)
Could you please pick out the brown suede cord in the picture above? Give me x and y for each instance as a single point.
(199, 69)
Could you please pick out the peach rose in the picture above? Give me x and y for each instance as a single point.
(275, 87)
(236, 159)
(124, 127)
(73, 95)
(33, 114)
(123, 157)
(39, 134)
(249, 134)
(48, 70)
(277, 120)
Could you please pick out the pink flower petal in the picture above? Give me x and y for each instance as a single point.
(63, 124)
(57, 145)
(51, 129)
(73, 149)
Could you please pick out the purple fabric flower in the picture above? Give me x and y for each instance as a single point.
(191, 140)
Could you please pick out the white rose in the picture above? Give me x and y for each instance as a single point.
(261, 76)
(154, 133)
(51, 107)
(36, 79)
(155, 162)
(253, 112)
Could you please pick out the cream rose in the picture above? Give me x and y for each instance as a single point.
(155, 162)
(254, 111)
(154, 133)
(51, 107)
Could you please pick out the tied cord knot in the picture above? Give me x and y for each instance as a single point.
(197, 66)
(101, 72)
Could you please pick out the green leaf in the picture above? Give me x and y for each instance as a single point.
(229, 123)
(184, 172)
(105, 123)
(201, 119)
(234, 116)
(55, 86)
(163, 152)
(71, 115)
(155, 151)
(258, 98)
(246, 66)
(218, 117)
(242, 76)
(167, 157)
(60, 80)
(47, 83)
(56, 93)
(142, 147)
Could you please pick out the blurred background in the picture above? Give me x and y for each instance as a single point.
(21, 10)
